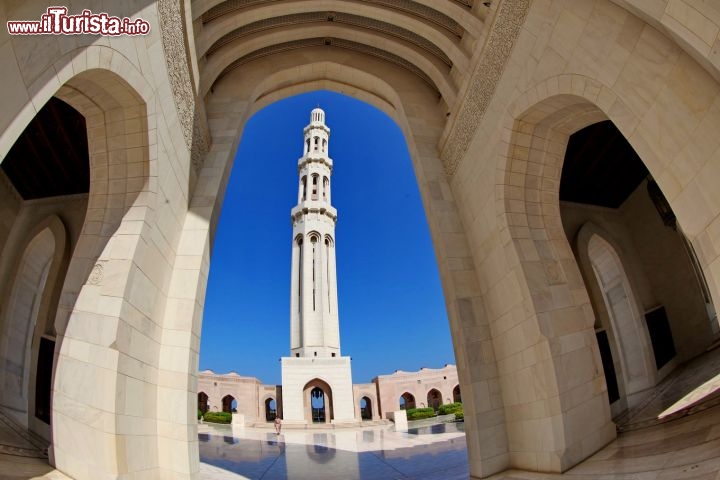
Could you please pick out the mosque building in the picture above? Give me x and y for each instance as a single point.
(568, 160)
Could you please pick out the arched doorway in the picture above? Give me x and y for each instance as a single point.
(229, 404)
(434, 399)
(318, 402)
(202, 402)
(645, 290)
(46, 174)
(627, 361)
(407, 401)
(317, 405)
(270, 409)
(366, 408)
(95, 118)
(27, 334)
(457, 398)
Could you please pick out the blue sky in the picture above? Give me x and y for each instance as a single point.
(392, 311)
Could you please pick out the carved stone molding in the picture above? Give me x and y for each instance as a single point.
(190, 113)
(501, 40)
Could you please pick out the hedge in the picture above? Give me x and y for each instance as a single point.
(460, 415)
(218, 417)
(449, 408)
(419, 413)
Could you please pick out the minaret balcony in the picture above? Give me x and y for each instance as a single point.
(318, 157)
(314, 206)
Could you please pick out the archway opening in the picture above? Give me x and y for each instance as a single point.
(457, 398)
(434, 399)
(229, 404)
(651, 304)
(58, 174)
(366, 408)
(203, 402)
(317, 405)
(407, 401)
(263, 298)
(270, 409)
(318, 402)
(49, 160)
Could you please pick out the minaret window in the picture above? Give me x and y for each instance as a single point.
(326, 184)
(324, 145)
(299, 272)
(303, 188)
(314, 240)
(327, 271)
(317, 143)
(307, 146)
(314, 187)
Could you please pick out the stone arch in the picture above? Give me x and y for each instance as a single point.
(215, 70)
(422, 131)
(407, 401)
(554, 306)
(271, 408)
(203, 402)
(366, 412)
(229, 404)
(456, 396)
(434, 398)
(557, 320)
(312, 389)
(31, 294)
(118, 107)
(601, 263)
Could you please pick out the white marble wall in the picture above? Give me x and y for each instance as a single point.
(129, 319)
(297, 372)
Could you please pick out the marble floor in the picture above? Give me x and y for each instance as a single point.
(431, 453)
(22, 455)
(684, 444)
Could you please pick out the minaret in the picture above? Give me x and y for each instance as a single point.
(314, 328)
(315, 369)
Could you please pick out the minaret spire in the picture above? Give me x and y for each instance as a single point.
(314, 328)
(315, 369)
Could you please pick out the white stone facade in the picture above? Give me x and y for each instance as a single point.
(383, 393)
(487, 95)
(315, 360)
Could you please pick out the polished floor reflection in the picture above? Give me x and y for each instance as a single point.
(376, 452)
(683, 445)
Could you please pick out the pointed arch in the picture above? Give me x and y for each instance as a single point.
(318, 400)
(407, 401)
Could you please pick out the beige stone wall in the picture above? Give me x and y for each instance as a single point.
(245, 390)
(124, 384)
(487, 166)
(391, 387)
(574, 63)
(369, 391)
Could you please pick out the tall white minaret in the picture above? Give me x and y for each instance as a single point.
(315, 368)
(314, 327)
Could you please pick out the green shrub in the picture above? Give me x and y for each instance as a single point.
(218, 417)
(420, 413)
(199, 414)
(460, 415)
(449, 408)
